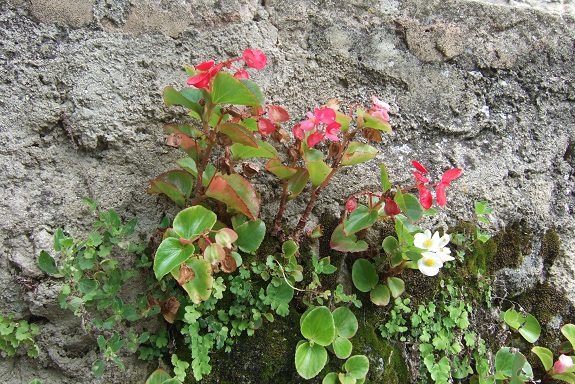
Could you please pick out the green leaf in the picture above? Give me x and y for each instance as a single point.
(340, 242)
(176, 184)
(170, 254)
(200, 287)
(380, 295)
(243, 152)
(513, 318)
(367, 121)
(342, 347)
(310, 359)
(344, 120)
(226, 89)
(568, 330)
(364, 275)
(384, 176)
(409, 205)
(238, 134)
(183, 128)
(318, 326)
(567, 377)
(357, 366)
(250, 235)
(330, 378)
(236, 192)
(98, 368)
(357, 153)
(158, 377)
(531, 330)
(360, 219)
(289, 248)
(47, 263)
(396, 286)
(276, 167)
(191, 222)
(188, 99)
(390, 245)
(279, 297)
(545, 355)
(318, 169)
(345, 322)
(297, 183)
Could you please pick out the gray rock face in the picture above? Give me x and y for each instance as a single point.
(487, 86)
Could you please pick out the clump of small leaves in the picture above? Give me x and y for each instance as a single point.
(17, 334)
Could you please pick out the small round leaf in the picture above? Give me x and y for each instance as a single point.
(310, 359)
(345, 322)
(342, 347)
(364, 275)
(357, 366)
(380, 295)
(318, 326)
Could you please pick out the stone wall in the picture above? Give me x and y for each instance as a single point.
(487, 86)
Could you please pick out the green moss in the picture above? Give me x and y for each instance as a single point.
(513, 243)
(550, 247)
(544, 302)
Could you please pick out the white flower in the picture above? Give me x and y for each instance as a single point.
(429, 263)
(426, 241)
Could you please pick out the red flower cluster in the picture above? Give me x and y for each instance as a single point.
(322, 123)
(207, 70)
(421, 181)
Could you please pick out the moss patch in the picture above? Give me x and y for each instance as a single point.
(513, 243)
(550, 248)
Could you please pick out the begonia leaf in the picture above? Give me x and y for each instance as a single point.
(236, 192)
(318, 326)
(409, 205)
(187, 98)
(364, 275)
(310, 358)
(380, 295)
(214, 253)
(250, 235)
(342, 347)
(545, 355)
(226, 89)
(531, 330)
(318, 169)
(276, 167)
(199, 288)
(176, 184)
(345, 322)
(357, 366)
(568, 330)
(297, 183)
(357, 153)
(384, 176)
(47, 263)
(344, 120)
(368, 121)
(396, 286)
(340, 242)
(191, 222)
(159, 376)
(263, 150)
(361, 218)
(331, 378)
(170, 254)
(238, 134)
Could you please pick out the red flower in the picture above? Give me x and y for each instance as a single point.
(419, 167)
(241, 74)
(380, 109)
(207, 72)
(254, 58)
(298, 133)
(323, 123)
(446, 179)
(314, 138)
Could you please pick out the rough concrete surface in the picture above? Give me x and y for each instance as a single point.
(487, 86)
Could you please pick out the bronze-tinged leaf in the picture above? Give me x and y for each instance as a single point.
(170, 309)
(174, 140)
(371, 135)
(223, 140)
(294, 153)
(333, 149)
(250, 170)
(229, 264)
(186, 274)
(152, 302)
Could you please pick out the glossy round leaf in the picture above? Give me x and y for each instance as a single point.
(200, 287)
(158, 377)
(250, 235)
(345, 322)
(531, 330)
(170, 254)
(318, 326)
(568, 330)
(330, 378)
(236, 192)
(191, 222)
(310, 359)
(289, 248)
(342, 347)
(380, 295)
(340, 242)
(357, 366)
(364, 275)
(545, 355)
(357, 153)
(227, 89)
(396, 286)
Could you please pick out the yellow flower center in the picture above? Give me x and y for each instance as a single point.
(427, 243)
(430, 262)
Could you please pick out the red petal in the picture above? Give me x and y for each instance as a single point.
(440, 194)
(205, 65)
(420, 177)
(255, 58)
(298, 132)
(265, 126)
(419, 167)
(425, 199)
(351, 204)
(314, 138)
(450, 175)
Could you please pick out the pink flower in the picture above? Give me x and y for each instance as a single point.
(380, 109)
(323, 123)
(314, 138)
(265, 126)
(562, 364)
(254, 58)
(205, 65)
(207, 72)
